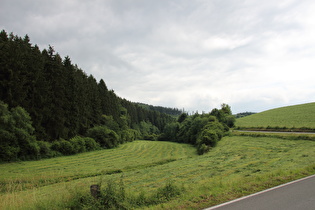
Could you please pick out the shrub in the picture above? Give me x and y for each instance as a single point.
(66, 147)
(75, 145)
(151, 137)
(128, 135)
(219, 128)
(56, 146)
(91, 144)
(202, 149)
(106, 137)
(114, 196)
(63, 146)
(8, 153)
(208, 137)
(78, 144)
(9, 149)
(31, 151)
(45, 149)
(16, 134)
(168, 192)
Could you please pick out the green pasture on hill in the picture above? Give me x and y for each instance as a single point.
(237, 166)
(297, 116)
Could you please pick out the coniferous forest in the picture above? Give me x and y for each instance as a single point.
(51, 107)
(59, 101)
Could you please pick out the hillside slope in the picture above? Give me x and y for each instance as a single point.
(297, 116)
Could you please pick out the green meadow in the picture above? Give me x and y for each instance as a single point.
(290, 117)
(238, 166)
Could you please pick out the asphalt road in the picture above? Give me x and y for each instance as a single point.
(276, 132)
(296, 195)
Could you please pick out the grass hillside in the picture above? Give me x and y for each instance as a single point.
(237, 166)
(297, 116)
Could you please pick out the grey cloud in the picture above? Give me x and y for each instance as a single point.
(187, 54)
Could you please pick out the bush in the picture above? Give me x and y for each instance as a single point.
(45, 150)
(91, 144)
(168, 192)
(114, 196)
(219, 128)
(63, 146)
(66, 148)
(56, 146)
(75, 145)
(208, 137)
(202, 149)
(78, 144)
(8, 146)
(151, 137)
(16, 134)
(31, 151)
(8, 153)
(128, 135)
(106, 137)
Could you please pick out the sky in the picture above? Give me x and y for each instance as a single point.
(188, 54)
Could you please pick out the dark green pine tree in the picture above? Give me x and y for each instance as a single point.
(72, 102)
(114, 105)
(37, 88)
(54, 110)
(94, 102)
(104, 98)
(82, 95)
(5, 71)
(13, 70)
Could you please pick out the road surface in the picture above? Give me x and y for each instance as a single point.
(286, 132)
(296, 195)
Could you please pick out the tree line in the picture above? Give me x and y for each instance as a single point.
(170, 111)
(59, 101)
(243, 114)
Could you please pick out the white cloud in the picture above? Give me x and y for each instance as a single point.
(225, 43)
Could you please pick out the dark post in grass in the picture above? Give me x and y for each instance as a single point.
(95, 191)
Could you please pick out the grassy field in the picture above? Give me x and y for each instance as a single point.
(297, 116)
(128, 157)
(238, 166)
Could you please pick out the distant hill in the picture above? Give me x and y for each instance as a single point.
(165, 110)
(243, 114)
(289, 117)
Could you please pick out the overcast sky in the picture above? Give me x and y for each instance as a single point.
(194, 54)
